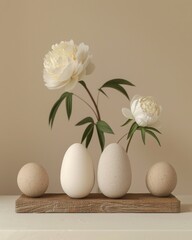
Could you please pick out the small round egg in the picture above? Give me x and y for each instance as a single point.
(161, 179)
(32, 180)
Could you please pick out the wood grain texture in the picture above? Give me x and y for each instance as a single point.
(97, 203)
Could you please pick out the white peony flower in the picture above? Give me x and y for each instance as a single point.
(144, 110)
(65, 65)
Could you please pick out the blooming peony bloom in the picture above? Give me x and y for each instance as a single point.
(65, 65)
(144, 110)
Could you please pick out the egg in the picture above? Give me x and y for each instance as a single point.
(161, 179)
(114, 171)
(32, 180)
(77, 172)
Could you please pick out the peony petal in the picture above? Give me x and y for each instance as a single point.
(82, 52)
(65, 65)
(51, 81)
(141, 118)
(71, 84)
(67, 72)
(81, 67)
(78, 69)
(55, 85)
(135, 103)
(138, 113)
(81, 75)
(141, 121)
(127, 113)
(152, 121)
(136, 97)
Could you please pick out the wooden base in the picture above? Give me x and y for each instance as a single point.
(98, 203)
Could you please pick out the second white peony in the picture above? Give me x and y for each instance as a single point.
(65, 65)
(144, 110)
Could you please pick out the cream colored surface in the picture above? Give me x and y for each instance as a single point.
(147, 42)
(85, 226)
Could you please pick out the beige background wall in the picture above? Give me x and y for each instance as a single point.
(148, 42)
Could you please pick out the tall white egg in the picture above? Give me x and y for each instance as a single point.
(77, 172)
(114, 171)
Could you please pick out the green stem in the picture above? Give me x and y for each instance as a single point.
(122, 138)
(129, 143)
(94, 103)
(86, 104)
(98, 98)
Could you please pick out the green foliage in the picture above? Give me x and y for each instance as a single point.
(144, 130)
(132, 130)
(88, 133)
(153, 135)
(117, 81)
(127, 122)
(68, 97)
(116, 84)
(84, 121)
(143, 134)
(83, 83)
(101, 126)
(89, 136)
(69, 105)
(153, 129)
(101, 137)
(104, 127)
(102, 92)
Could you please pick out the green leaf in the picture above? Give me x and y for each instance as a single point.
(128, 121)
(86, 132)
(69, 104)
(118, 88)
(117, 81)
(116, 84)
(84, 121)
(132, 129)
(104, 127)
(153, 129)
(153, 135)
(89, 136)
(101, 137)
(55, 108)
(143, 134)
(82, 83)
(102, 92)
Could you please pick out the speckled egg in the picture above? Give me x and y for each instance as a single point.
(114, 171)
(32, 180)
(161, 179)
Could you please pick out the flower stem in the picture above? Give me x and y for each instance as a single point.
(86, 104)
(98, 98)
(129, 143)
(94, 103)
(122, 138)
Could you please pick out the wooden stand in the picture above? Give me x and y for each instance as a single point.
(98, 203)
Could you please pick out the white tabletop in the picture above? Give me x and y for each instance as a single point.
(99, 226)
